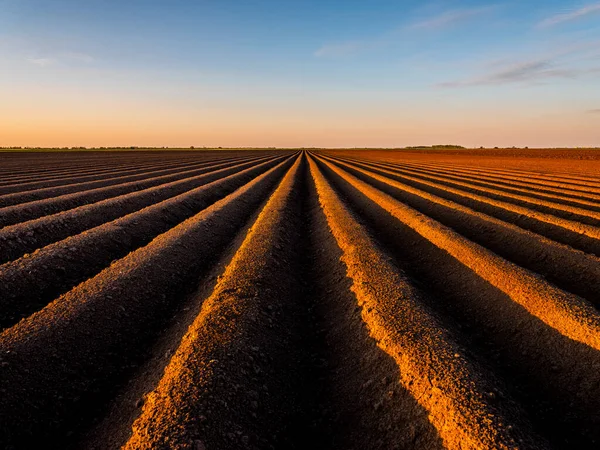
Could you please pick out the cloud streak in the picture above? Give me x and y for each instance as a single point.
(41, 62)
(568, 62)
(62, 58)
(439, 22)
(594, 111)
(79, 57)
(338, 50)
(521, 72)
(449, 18)
(570, 16)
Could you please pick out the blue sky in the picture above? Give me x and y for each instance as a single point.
(292, 73)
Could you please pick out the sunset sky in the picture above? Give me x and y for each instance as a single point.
(312, 73)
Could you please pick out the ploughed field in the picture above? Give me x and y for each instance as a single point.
(295, 299)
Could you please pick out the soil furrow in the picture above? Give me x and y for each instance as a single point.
(579, 214)
(556, 262)
(103, 326)
(26, 237)
(29, 283)
(576, 199)
(24, 196)
(203, 382)
(361, 400)
(575, 234)
(554, 378)
(568, 179)
(15, 214)
(90, 169)
(87, 175)
(525, 181)
(432, 366)
(567, 313)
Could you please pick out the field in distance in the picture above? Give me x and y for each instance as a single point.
(331, 299)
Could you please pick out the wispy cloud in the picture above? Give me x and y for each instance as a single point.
(444, 20)
(570, 16)
(521, 72)
(64, 58)
(450, 18)
(594, 111)
(566, 62)
(342, 49)
(41, 62)
(80, 57)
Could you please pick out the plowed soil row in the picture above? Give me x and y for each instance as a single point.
(66, 174)
(104, 164)
(571, 232)
(104, 180)
(525, 248)
(113, 316)
(585, 200)
(568, 179)
(33, 209)
(31, 282)
(19, 163)
(85, 175)
(545, 206)
(527, 180)
(294, 300)
(570, 315)
(28, 236)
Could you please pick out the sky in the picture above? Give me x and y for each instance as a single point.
(299, 73)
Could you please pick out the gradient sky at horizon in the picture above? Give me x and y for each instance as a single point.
(328, 73)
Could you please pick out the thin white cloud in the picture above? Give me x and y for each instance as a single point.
(449, 18)
(80, 57)
(65, 58)
(41, 62)
(521, 72)
(444, 20)
(565, 62)
(570, 16)
(337, 50)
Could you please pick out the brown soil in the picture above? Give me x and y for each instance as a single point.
(278, 299)
(562, 161)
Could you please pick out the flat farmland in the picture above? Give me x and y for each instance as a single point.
(283, 299)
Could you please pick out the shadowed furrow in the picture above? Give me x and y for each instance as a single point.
(576, 199)
(549, 207)
(525, 248)
(87, 175)
(11, 215)
(28, 236)
(524, 180)
(569, 179)
(569, 314)
(434, 369)
(293, 299)
(571, 232)
(29, 283)
(24, 196)
(112, 316)
(541, 368)
(237, 309)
